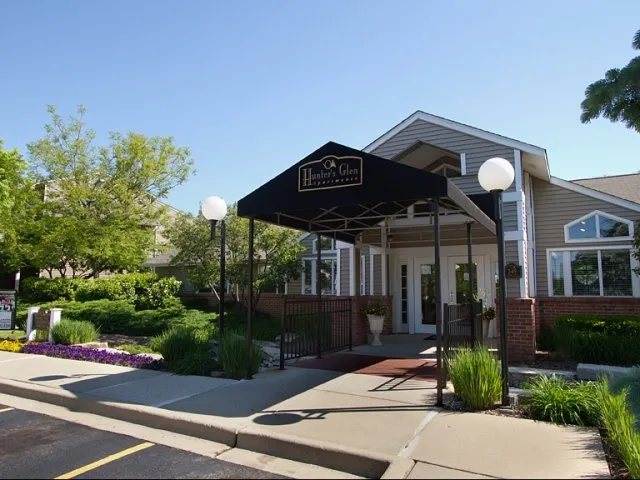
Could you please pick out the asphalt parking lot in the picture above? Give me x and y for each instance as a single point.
(38, 446)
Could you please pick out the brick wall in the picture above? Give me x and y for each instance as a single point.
(521, 328)
(549, 307)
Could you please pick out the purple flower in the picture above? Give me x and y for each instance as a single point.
(92, 355)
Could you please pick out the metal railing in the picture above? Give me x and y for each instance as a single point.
(313, 327)
(462, 324)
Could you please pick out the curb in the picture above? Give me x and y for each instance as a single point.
(350, 460)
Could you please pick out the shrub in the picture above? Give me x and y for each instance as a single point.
(612, 340)
(48, 290)
(475, 374)
(92, 355)
(558, 401)
(144, 290)
(544, 341)
(631, 383)
(620, 425)
(106, 289)
(70, 332)
(175, 344)
(196, 362)
(233, 356)
(160, 293)
(11, 345)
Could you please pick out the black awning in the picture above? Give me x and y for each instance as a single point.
(340, 191)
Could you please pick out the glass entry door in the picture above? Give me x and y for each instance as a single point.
(425, 299)
(459, 279)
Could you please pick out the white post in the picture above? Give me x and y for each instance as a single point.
(54, 319)
(31, 311)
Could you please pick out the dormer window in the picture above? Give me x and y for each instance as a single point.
(598, 226)
(448, 171)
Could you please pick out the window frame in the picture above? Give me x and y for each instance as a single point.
(566, 262)
(314, 246)
(598, 238)
(314, 276)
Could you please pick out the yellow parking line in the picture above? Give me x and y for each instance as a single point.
(105, 460)
(8, 409)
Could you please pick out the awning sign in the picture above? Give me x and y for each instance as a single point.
(330, 172)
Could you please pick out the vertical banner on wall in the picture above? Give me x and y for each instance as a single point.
(7, 309)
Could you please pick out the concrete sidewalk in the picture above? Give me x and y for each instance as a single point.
(356, 423)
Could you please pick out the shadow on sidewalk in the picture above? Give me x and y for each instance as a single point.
(244, 398)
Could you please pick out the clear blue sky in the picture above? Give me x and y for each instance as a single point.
(253, 86)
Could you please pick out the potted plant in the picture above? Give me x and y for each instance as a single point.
(375, 313)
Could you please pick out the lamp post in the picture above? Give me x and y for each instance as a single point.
(495, 176)
(214, 209)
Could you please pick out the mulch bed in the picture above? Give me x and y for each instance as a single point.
(373, 365)
(550, 361)
(617, 468)
(115, 340)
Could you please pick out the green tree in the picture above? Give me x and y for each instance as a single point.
(276, 253)
(196, 253)
(18, 200)
(101, 204)
(616, 96)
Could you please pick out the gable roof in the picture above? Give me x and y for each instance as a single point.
(460, 127)
(590, 192)
(626, 187)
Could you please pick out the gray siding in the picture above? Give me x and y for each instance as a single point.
(555, 207)
(178, 273)
(345, 264)
(510, 216)
(295, 286)
(307, 242)
(476, 149)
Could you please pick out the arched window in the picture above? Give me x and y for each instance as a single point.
(598, 226)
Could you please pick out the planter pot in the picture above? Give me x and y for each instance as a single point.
(376, 323)
(485, 328)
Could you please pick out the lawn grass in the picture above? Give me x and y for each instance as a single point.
(12, 334)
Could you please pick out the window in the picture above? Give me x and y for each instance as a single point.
(328, 277)
(448, 171)
(592, 272)
(557, 273)
(598, 226)
(326, 243)
(363, 274)
(404, 297)
(307, 277)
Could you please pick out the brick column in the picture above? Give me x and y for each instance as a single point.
(521, 328)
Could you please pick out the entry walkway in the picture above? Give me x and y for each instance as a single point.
(380, 415)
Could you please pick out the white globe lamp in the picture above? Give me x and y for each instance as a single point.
(214, 208)
(496, 174)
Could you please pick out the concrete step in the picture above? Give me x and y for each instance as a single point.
(519, 375)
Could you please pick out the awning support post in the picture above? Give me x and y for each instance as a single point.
(250, 301)
(474, 334)
(436, 242)
(319, 318)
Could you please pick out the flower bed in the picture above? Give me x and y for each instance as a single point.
(92, 355)
(11, 345)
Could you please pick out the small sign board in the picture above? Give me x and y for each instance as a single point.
(7, 309)
(330, 172)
